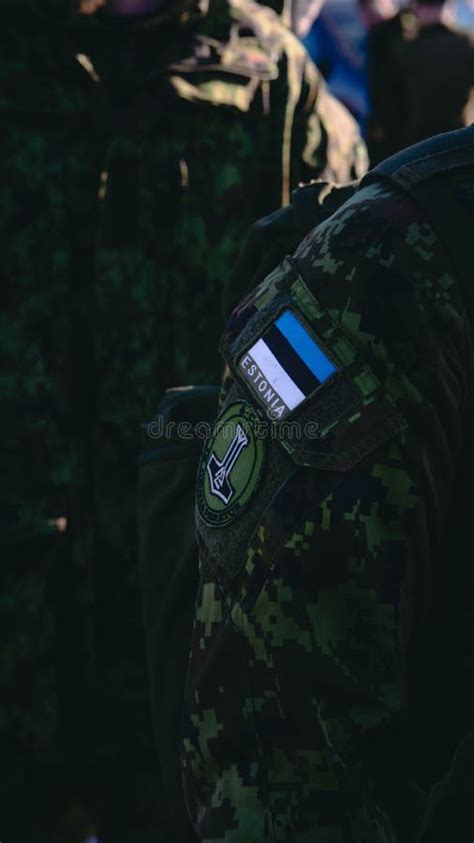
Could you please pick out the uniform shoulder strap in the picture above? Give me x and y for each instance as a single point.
(438, 175)
(448, 152)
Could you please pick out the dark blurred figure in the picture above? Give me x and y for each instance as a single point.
(123, 203)
(336, 42)
(384, 25)
(421, 76)
(52, 146)
(375, 13)
(67, 686)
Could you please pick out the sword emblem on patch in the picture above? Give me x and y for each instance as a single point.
(285, 366)
(219, 470)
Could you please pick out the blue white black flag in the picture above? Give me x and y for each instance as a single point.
(285, 366)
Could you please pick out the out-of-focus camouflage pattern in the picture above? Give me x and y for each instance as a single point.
(122, 207)
(50, 161)
(247, 117)
(49, 180)
(73, 670)
(311, 606)
(332, 142)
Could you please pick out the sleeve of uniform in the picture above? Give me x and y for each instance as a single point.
(280, 233)
(313, 574)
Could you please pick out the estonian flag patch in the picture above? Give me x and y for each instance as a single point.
(285, 366)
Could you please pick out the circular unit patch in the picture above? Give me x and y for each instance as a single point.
(231, 465)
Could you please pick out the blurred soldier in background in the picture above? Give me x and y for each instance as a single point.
(204, 101)
(122, 205)
(421, 77)
(384, 32)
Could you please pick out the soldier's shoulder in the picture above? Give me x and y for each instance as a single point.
(359, 221)
(369, 264)
(384, 272)
(371, 286)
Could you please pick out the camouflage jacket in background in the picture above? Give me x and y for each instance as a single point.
(51, 152)
(123, 205)
(214, 124)
(331, 664)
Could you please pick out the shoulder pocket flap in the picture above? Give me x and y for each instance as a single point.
(253, 456)
(324, 403)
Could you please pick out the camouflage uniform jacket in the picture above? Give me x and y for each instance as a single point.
(330, 638)
(215, 121)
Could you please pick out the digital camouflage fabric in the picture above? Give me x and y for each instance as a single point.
(171, 449)
(329, 677)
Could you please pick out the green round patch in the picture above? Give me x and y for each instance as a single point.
(231, 465)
